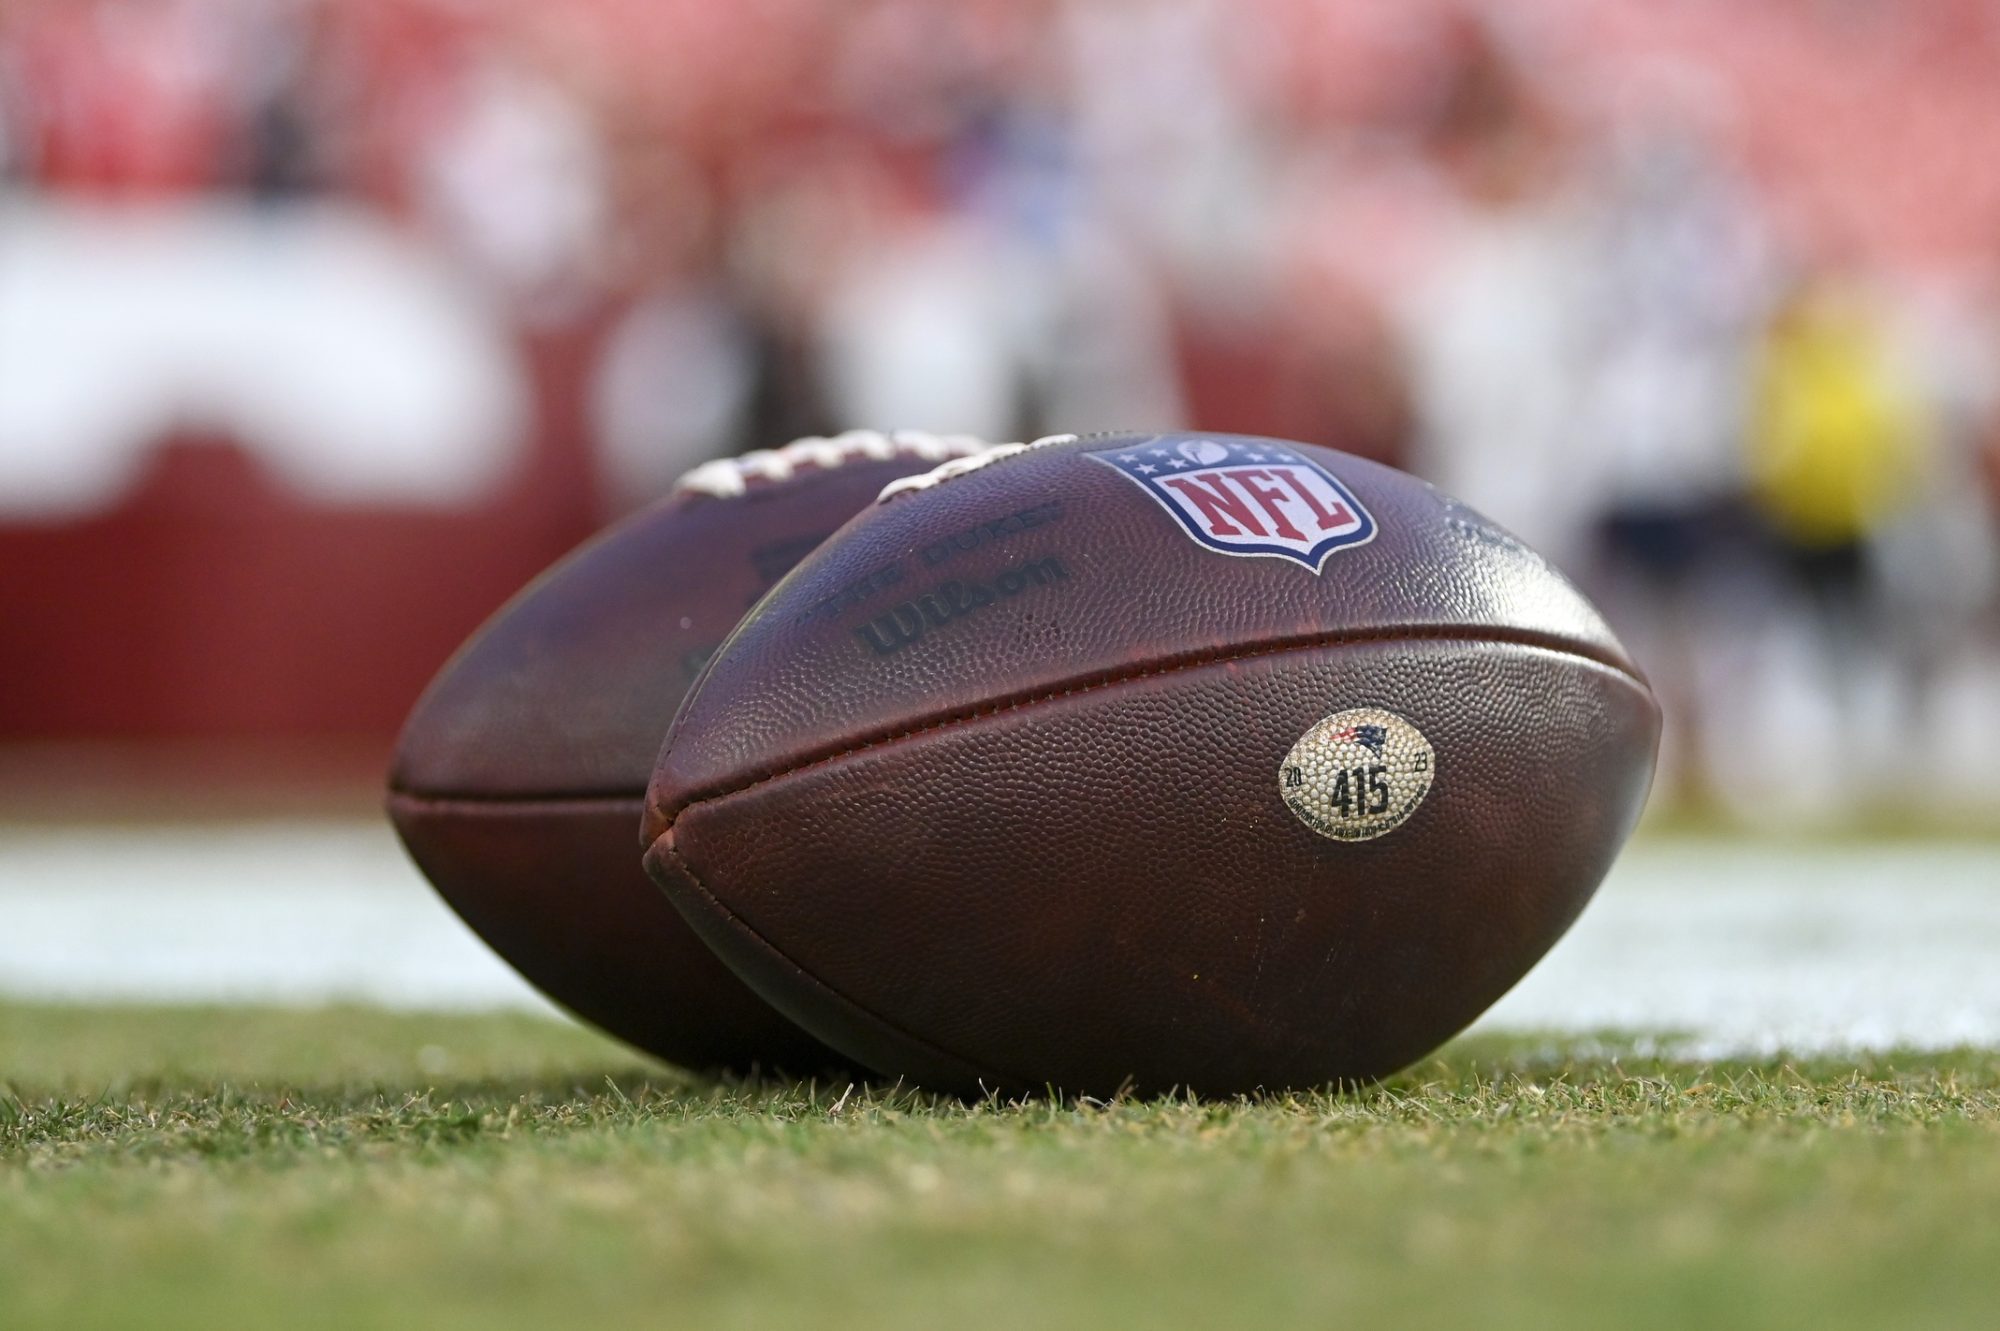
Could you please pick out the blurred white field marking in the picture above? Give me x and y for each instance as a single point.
(281, 911)
(1737, 946)
(1747, 947)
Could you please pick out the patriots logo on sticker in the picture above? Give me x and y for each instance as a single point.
(1372, 738)
(1251, 497)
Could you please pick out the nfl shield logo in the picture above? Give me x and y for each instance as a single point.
(1247, 497)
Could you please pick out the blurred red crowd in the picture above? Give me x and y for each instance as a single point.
(1865, 122)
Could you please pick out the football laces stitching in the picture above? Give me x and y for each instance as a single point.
(727, 478)
(960, 466)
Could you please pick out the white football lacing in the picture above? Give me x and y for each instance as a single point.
(725, 478)
(961, 465)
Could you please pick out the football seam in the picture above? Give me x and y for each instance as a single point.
(1166, 666)
(986, 1079)
(511, 802)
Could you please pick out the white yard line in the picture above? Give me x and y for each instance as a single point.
(1763, 947)
(1735, 946)
(293, 912)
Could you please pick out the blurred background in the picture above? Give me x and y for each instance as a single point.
(325, 324)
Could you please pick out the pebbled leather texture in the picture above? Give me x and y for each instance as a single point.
(555, 888)
(1041, 842)
(519, 778)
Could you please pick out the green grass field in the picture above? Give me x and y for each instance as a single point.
(247, 1167)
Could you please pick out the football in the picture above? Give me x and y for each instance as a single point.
(519, 778)
(1151, 762)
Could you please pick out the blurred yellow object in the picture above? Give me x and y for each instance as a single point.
(1836, 433)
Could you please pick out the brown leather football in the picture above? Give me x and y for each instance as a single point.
(520, 775)
(1173, 761)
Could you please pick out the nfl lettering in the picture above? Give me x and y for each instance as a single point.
(1249, 497)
